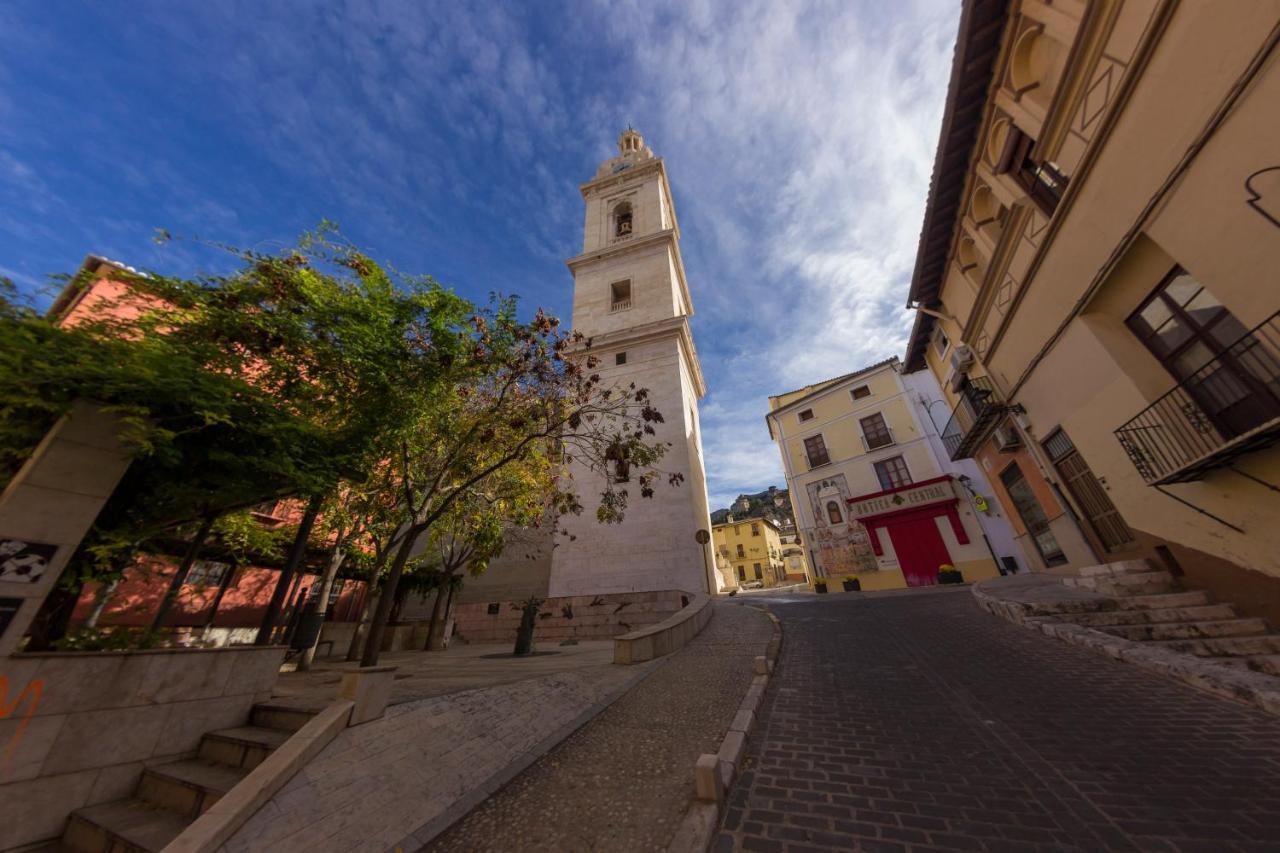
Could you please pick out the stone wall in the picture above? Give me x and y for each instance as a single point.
(76, 728)
(587, 617)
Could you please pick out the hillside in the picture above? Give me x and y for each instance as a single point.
(773, 503)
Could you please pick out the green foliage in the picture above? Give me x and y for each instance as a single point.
(248, 540)
(110, 639)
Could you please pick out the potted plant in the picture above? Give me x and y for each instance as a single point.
(851, 583)
(820, 585)
(948, 573)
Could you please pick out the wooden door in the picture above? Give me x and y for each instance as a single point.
(1104, 520)
(920, 549)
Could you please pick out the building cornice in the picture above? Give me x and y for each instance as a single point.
(669, 237)
(978, 42)
(673, 327)
(827, 386)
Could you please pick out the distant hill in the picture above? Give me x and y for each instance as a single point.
(773, 503)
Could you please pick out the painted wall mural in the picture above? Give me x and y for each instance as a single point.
(840, 547)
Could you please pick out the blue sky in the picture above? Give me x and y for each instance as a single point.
(450, 138)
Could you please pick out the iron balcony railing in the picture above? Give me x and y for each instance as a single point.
(1226, 408)
(979, 409)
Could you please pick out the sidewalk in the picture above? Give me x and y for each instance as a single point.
(421, 675)
(624, 780)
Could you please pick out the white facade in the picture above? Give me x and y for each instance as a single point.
(929, 402)
(631, 299)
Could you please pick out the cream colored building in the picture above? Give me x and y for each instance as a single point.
(1097, 281)
(869, 494)
(750, 552)
(631, 299)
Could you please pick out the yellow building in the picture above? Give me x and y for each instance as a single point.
(749, 552)
(869, 494)
(1097, 285)
(795, 561)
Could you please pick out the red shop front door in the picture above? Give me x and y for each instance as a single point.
(920, 549)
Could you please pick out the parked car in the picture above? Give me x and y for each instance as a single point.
(752, 584)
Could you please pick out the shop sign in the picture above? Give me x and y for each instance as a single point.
(905, 499)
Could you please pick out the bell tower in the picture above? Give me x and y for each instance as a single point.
(631, 298)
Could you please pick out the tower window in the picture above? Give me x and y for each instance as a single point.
(860, 392)
(620, 295)
(620, 358)
(622, 220)
(806, 415)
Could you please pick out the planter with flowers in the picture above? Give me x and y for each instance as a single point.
(820, 585)
(948, 573)
(851, 583)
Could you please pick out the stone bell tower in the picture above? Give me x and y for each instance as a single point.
(631, 298)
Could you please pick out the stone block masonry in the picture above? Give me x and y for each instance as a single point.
(578, 617)
(79, 727)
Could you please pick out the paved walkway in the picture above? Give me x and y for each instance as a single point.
(623, 781)
(920, 722)
(421, 675)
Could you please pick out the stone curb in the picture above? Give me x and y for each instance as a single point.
(213, 828)
(426, 833)
(667, 636)
(714, 773)
(1251, 688)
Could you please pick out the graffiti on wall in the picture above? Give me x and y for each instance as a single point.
(28, 698)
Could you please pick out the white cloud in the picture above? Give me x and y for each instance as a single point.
(800, 138)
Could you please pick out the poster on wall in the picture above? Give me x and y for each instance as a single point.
(24, 562)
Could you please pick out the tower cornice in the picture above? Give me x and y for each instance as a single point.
(673, 327)
(604, 184)
(669, 237)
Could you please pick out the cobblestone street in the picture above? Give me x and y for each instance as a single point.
(919, 722)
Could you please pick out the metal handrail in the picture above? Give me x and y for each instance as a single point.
(1229, 405)
(980, 404)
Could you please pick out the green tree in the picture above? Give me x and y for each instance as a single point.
(521, 393)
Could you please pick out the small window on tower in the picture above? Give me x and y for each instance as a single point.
(622, 220)
(620, 358)
(620, 295)
(806, 415)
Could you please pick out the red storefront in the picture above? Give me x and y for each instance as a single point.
(910, 515)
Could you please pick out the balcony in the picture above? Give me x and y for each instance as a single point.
(979, 409)
(1227, 408)
(620, 305)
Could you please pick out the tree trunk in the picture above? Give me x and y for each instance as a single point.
(100, 602)
(439, 614)
(377, 627)
(180, 576)
(336, 559)
(366, 607)
(296, 553)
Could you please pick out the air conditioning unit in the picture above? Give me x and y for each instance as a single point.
(1006, 438)
(961, 358)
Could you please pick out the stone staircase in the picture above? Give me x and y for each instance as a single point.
(1139, 603)
(170, 796)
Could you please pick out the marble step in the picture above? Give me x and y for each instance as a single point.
(1263, 644)
(122, 826)
(1188, 630)
(1122, 567)
(1266, 664)
(243, 746)
(285, 714)
(1159, 601)
(1197, 613)
(188, 788)
(1144, 583)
